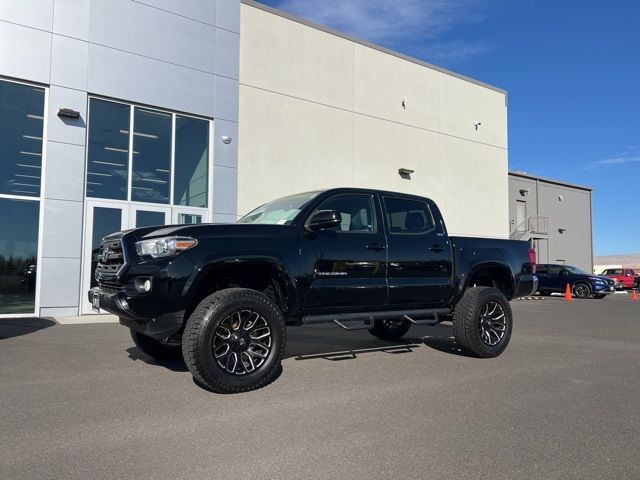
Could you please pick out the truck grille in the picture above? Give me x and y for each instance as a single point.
(110, 261)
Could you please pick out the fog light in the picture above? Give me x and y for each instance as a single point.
(143, 284)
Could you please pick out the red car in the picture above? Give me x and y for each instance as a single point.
(625, 276)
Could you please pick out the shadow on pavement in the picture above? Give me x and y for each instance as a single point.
(174, 365)
(441, 338)
(16, 327)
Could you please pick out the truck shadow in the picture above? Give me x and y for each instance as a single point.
(331, 343)
(328, 342)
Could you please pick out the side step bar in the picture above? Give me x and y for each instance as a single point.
(368, 317)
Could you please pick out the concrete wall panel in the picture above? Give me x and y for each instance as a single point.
(462, 104)
(225, 155)
(289, 146)
(382, 81)
(227, 53)
(62, 229)
(154, 33)
(130, 77)
(228, 15)
(69, 62)
(71, 18)
(474, 193)
(64, 176)
(24, 52)
(67, 130)
(61, 281)
(31, 13)
(310, 64)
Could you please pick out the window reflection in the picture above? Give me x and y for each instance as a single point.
(151, 156)
(108, 153)
(192, 162)
(18, 255)
(21, 127)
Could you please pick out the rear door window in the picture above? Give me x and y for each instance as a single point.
(408, 216)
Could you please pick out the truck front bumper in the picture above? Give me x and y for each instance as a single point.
(118, 303)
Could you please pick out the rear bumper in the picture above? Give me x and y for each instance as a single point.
(117, 303)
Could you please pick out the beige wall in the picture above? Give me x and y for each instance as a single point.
(319, 111)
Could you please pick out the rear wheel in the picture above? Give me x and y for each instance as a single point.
(390, 329)
(166, 349)
(234, 341)
(482, 322)
(582, 290)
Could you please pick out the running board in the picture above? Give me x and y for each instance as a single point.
(368, 317)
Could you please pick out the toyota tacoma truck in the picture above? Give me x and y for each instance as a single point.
(221, 296)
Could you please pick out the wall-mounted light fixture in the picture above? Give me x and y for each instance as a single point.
(477, 124)
(405, 171)
(404, 102)
(68, 113)
(524, 192)
(226, 139)
(560, 198)
(562, 230)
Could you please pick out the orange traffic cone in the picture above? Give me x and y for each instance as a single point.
(567, 294)
(634, 295)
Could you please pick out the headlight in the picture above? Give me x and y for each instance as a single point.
(164, 246)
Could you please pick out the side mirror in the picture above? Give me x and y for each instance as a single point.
(324, 219)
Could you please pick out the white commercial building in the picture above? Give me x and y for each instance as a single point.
(118, 113)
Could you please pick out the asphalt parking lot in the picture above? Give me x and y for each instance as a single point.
(79, 401)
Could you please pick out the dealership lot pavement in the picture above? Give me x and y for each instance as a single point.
(79, 401)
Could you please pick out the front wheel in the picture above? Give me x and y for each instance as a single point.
(582, 290)
(166, 349)
(234, 341)
(482, 322)
(390, 329)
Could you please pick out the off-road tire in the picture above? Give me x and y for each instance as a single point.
(466, 321)
(390, 329)
(198, 337)
(157, 349)
(581, 290)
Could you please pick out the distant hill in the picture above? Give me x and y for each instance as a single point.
(631, 260)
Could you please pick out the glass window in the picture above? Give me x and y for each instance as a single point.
(188, 218)
(408, 216)
(191, 162)
(151, 156)
(554, 269)
(146, 218)
(356, 211)
(21, 127)
(279, 212)
(542, 269)
(18, 255)
(108, 151)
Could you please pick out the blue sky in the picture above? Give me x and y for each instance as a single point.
(572, 70)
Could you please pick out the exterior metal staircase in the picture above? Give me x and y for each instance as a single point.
(533, 227)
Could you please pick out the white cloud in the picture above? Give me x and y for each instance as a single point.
(397, 24)
(621, 159)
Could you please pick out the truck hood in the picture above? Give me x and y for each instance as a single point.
(207, 230)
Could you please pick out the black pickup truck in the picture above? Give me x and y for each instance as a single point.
(221, 295)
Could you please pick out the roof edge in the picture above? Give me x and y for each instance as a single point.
(561, 183)
(365, 43)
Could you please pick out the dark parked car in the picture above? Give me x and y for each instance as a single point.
(554, 278)
(220, 296)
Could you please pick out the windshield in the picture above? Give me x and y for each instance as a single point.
(279, 212)
(576, 271)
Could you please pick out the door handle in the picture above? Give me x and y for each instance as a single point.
(376, 246)
(436, 248)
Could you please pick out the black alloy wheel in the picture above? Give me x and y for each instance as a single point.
(582, 290)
